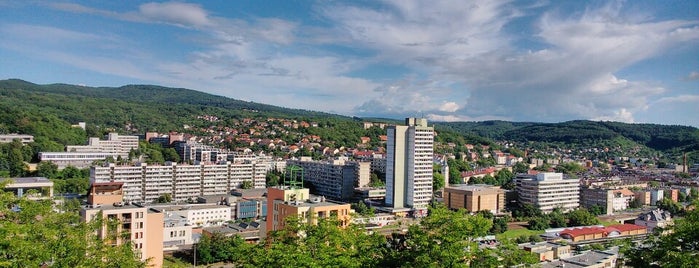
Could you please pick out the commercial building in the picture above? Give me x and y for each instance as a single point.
(409, 151)
(30, 187)
(333, 179)
(288, 201)
(475, 198)
(143, 226)
(146, 183)
(117, 144)
(548, 191)
(82, 156)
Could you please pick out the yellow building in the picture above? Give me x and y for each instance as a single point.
(143, 226)
(284, 202)
(475, 198)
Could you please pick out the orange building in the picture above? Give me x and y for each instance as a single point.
(144, 226)
(475, 198)
(284, 202)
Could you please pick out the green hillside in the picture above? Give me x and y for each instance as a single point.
(673, 140)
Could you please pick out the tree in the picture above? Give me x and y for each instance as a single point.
(375, 181)
(437, 181)
(33, 234)
(164, 198)
(671, 206)
(539, 223)
(15, 159)
(169, 154)
(48, 170)
(676, 248)
(581, 217)
(520, 168)
(247, 184)
(597, 210)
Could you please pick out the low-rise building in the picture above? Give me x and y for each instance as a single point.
(31, 187)
(24, 139)
(288, 201)
(654, 219)
(547, 251)
(475, 198)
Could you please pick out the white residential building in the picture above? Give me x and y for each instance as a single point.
(548, 191)
(145, 183)
(333, 179)
(409, 152)
(82, 156)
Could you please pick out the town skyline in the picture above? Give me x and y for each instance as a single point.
(514, 61)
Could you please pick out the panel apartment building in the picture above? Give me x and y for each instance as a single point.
(548, 191)
(82, 156)
(145, 183)
(409, 157)
(333, 179)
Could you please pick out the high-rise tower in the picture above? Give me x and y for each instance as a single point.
(409, 164)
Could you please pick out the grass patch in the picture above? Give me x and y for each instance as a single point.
(607, 223)
(511, 234)
(172, 262)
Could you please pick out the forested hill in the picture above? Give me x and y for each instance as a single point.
(155, 94)
(145, 107)
(658, 137)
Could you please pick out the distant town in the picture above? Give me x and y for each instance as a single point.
(168, 192)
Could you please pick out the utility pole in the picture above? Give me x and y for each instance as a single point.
(195, 255)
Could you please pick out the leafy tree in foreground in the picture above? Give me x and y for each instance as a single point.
(32, 234)
(678, 248)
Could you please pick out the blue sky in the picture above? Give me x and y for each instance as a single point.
(544, 61)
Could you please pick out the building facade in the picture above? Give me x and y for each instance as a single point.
(548, 191)
(333, 179)
(409, 151)
(475, 198)
(287, 202)
(146, 183)
(143, 226)
(82, 156)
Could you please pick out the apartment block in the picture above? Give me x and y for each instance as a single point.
(409, 151)
(144, 226)
(548, 191)
(145, 183)
(287, 202)
(333, 179)
(475, 198)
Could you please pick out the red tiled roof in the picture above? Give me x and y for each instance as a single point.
(627, 227)
(587, 231)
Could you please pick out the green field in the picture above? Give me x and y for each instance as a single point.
(510, 234)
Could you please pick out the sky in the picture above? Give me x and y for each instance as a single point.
(535, 61)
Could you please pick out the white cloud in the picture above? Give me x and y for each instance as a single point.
(679, 99)
(694, 75)
(462, 60)
(622, 115)
(462, 118)
(449, 107)
(178, 13)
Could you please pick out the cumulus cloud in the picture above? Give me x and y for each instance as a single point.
(449, 107)
(694, 75)
(463, 60)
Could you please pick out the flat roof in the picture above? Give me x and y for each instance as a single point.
(30, 180)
